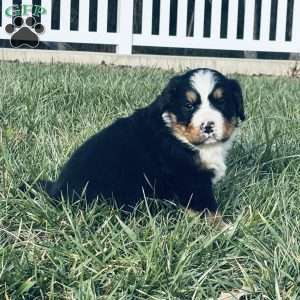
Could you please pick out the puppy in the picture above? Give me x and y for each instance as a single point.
(175, 148)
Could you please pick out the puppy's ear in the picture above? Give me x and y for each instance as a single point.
(164, 100)
(172, 85)
(238, 98)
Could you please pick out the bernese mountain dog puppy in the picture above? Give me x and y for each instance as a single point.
(175, 148)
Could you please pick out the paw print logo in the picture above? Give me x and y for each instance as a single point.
(24, 33)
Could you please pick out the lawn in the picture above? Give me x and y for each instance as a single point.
(161, 251)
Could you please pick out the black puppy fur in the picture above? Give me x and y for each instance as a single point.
(139, 155)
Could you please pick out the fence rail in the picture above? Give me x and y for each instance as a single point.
(273, 26)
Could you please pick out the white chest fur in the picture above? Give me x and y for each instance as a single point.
(213, 158)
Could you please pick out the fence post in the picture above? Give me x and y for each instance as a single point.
(125, 25)
(295, 28)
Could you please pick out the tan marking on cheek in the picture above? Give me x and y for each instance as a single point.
(228, 128)
(191, 96)
(218, 93)
(189, 132)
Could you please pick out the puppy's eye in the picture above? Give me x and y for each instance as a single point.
(189, 106)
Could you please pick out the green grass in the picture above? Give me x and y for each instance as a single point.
(46, 111)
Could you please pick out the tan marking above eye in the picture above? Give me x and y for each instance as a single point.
(191, 96)
(218, 93)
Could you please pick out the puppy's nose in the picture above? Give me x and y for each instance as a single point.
(208, 127)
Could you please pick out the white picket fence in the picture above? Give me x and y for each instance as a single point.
(124, 38)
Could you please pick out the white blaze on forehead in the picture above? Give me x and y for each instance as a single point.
(203, 82)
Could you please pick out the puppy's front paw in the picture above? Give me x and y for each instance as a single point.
(218, 222)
